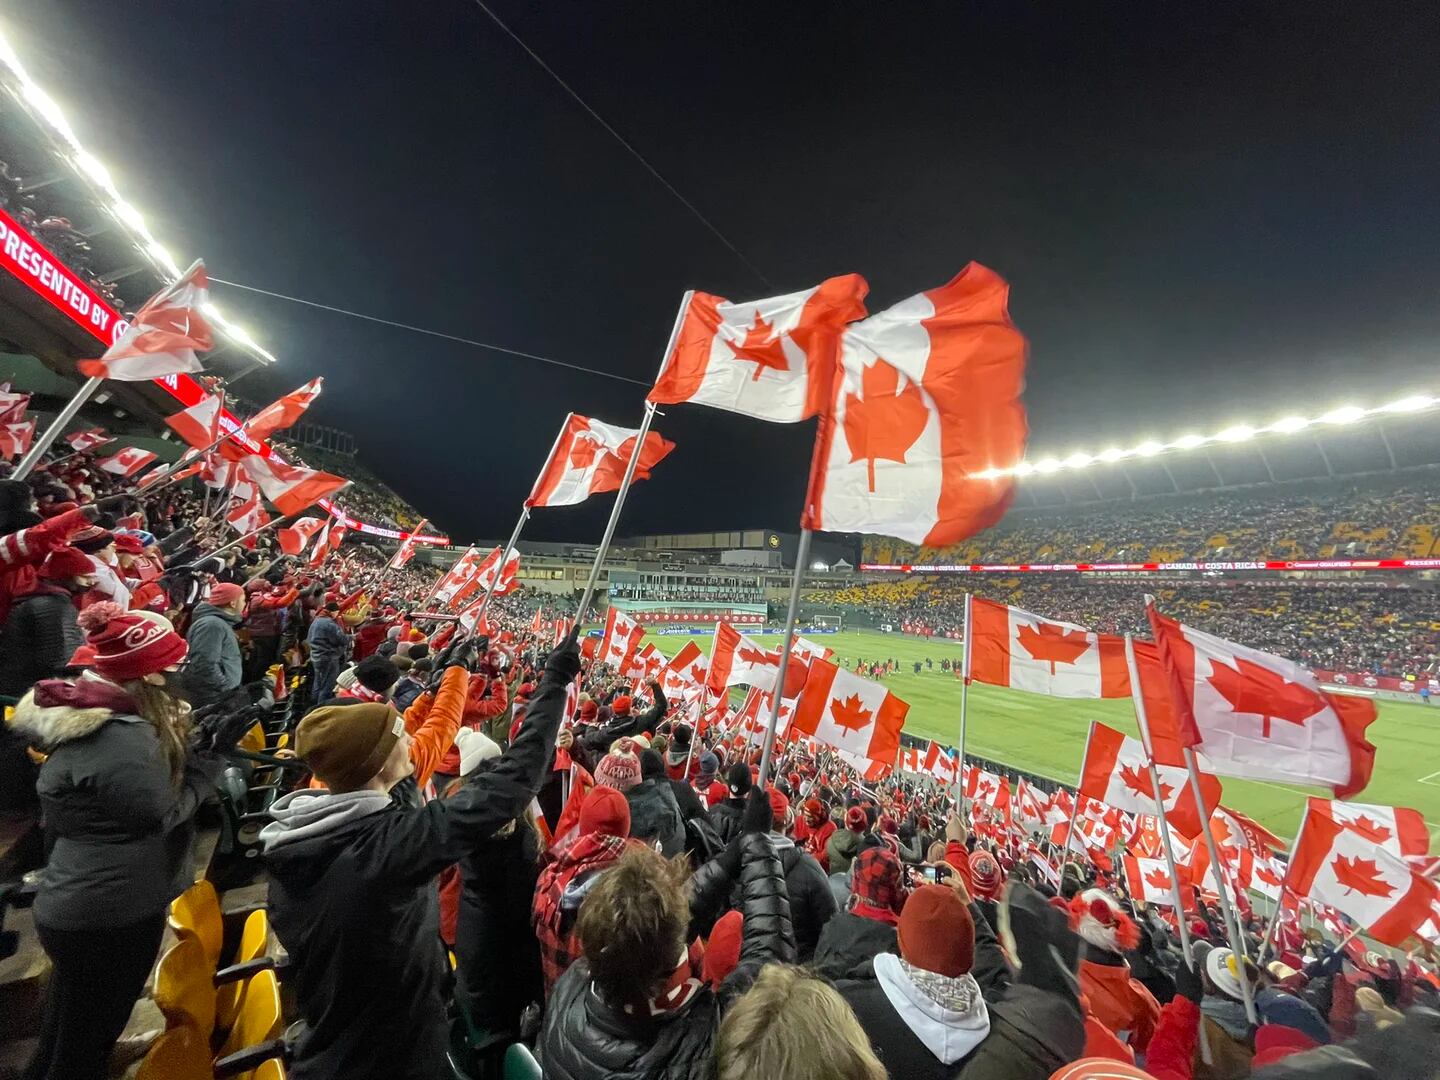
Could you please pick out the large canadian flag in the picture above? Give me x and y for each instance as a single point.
(773, 359)
(1014, 648)
(163, 337)
(622, 637)
(1117, 772)
(127, 462)
(1396, 829)
(590, 457)
(736, 660)
(294, 538)
(486, 573)
(199, 425)
(1262, 717)
(685, 669)
(926, 410)
(283, 412)
(850, 713)
(1149, 880)
(291, 487)
(1380, 891)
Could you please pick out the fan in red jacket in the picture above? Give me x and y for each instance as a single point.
(817, 828)
(485, 699)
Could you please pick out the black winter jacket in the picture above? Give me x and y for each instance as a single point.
(594, 744)
(586, 1038)
(39, 637)
(725, 817)
(353, 900)
(849, 944)
(655, 816)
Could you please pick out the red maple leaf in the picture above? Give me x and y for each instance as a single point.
(747, 655)
(698, 673)
(850, 714)
(1254, 688)
(1361, 876)
(884, 423)
(762, 348)
(1371, 830)
(1053, 643)
(983, 788)
(1136, 780)
(582, 450)
(1265, 874)
(1157, 879)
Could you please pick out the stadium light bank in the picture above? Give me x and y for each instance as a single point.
(41, 105)
(1236, 433)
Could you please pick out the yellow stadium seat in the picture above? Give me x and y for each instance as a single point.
(268, 1070)
(185, 988)
(254, 939)
(196, 913)
(180, 1054)
(259, 1018)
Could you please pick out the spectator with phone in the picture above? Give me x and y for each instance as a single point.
(866, 928)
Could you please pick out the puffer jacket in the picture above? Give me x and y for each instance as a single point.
(122, 828)
(39, 637)
(586, 1038)
(849, 944)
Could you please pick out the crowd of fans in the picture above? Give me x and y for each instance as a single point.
(618, 886)
(1365, 627)
(1321, 521)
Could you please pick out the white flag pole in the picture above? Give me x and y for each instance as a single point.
(959, 789)
(1232, 925)
(589, 593)
(1270, 930)
(37, 449)
(802, 556)
(1075, 809)
(500, 567)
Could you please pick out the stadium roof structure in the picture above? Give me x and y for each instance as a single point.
(1394, 435)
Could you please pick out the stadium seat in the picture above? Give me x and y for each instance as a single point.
(254, 939)
(520, 1064)
(256, 1035)
(185, 988)
(195, 913)
(178, 1054)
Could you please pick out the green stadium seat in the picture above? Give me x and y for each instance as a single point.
(520, 1064)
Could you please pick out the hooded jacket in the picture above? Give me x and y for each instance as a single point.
(213, 667)
(587, 1038)
(122, 828)
(39, 637)
(354, 902)
(850, 944)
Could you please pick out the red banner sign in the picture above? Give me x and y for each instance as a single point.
(1153, 567)
(1363, 680)
(31, 263)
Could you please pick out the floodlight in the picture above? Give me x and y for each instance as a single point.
(1236, 433)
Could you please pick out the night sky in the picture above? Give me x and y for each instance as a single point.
(1208, 212)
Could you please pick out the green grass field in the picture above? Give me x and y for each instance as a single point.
(1046, 735)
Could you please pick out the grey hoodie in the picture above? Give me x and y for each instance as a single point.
(948, 1033)
(314, 812)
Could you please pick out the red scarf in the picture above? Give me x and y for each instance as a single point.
(681, 987)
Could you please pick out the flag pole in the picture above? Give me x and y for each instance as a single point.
(1075, 809)
(959, 788)
(37, 449)
(802, 556)
(1270, 930)
(1232, 925)
(252, 533)
(500, 567)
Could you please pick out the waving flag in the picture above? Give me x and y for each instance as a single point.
(199, 425)
(329, 542)
(293, 538)
(926, 408)
(1022, 651)
(247, 515)
(290, 487)
(1261, 717)
(283, 412)
(1395, 829)
(622, 637)
(773, 359)
(12, 405)
(486, 573)
(127, 462)
(460, 575)
(164, 336)
(406, 551)
(88, 439)
(1380, 891)
(736, 660)
(589, 458)
(1116, 771)
(1149, 880)
(15, 437)
(850, 713)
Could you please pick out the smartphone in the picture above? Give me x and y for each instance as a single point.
(930, 873)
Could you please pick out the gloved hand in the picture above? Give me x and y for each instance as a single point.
(1188, 984)
(757, 817)
(564, 660)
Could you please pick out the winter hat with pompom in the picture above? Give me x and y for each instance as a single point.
(1100, 920)
(130, 644)
(66, 562)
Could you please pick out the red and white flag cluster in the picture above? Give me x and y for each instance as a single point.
(199, 425)
(126, 462)
(164, 337)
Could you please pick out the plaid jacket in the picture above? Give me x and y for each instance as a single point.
(558, 892)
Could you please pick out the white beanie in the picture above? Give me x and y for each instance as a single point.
(474, 747)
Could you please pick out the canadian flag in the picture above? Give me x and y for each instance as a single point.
(199, 425)
(290, 487)
(1117, 772)
(88, 439)
(589, 458)
(736, 660)
(850, 713)
(686, 669)
(1149, 880)
(406, 551)
(1149, 843)
(773, 359)
(461, 573)
(622, 637)
(12, 406)
(1030, 806)
(163, 337)
(1396, 829)
(753, 719)
(248, 515)
(872, 772)
(1238, 839)
(1266, 875)
(1261, 717)
(645, 663)
(1014, 648)
(293, 538)
(486, 573)
(926, 407)
(1382, 892)
(940, 762)
(15, 437)
(329, 541)
(282, 413)
(127, 462)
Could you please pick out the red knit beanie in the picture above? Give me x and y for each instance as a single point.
(722, 951)
(605, 811)
(779, 806)
(66, 562)
(621, 705)
(936, 932)
(855, 820)
(225, 593)
(130, 644)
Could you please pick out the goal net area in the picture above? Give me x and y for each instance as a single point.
(827, 622)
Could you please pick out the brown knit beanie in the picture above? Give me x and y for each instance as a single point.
(346, 745)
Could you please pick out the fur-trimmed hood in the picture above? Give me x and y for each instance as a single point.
(58, 711)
